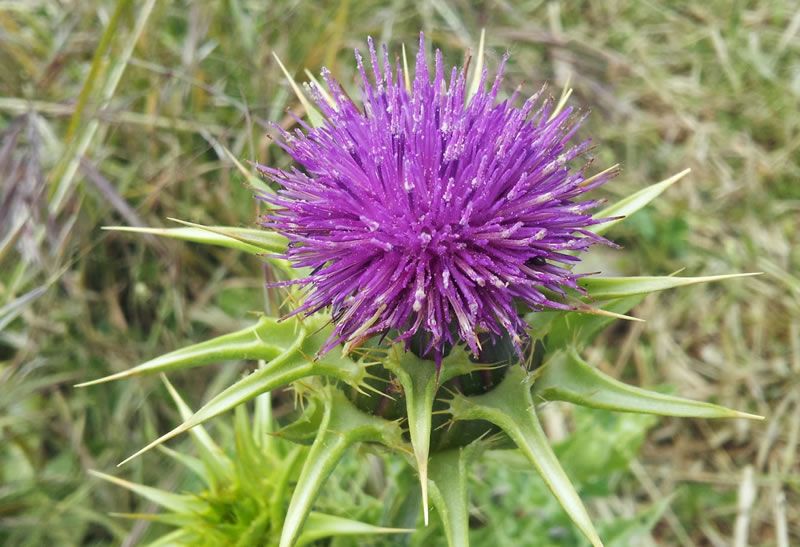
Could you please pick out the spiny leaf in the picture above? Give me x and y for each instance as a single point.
(510, 407)
(320, 525)
(292, 364)
(602, 288)
(342, 426)
(249, 240)
(629, 205)
(168, 500)
(266, 340)
(567, 377)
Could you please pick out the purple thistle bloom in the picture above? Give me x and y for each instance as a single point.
(429, 212)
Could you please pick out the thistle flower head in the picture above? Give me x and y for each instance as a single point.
(431, 210)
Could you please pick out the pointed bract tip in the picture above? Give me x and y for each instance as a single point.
(104, 379)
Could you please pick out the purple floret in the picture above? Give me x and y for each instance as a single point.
(427, 213)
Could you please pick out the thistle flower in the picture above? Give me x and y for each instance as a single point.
(435, 213)
(432, 210)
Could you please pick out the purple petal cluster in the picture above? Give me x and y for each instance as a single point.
(426, 211)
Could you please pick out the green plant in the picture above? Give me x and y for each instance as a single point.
(443, 413)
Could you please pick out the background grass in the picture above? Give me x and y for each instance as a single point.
(117, 113)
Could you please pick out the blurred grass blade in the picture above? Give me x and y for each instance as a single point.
(313, 114)
(266, 340)
(10, 311)
(64, 172)
(510, 407)
(249, 240)
(603, 288)
(168, 500)
(567, 377)
(320, 525)
(10, 238)
(448, 487)
(629, 205)
(96, 67)
(263, 419)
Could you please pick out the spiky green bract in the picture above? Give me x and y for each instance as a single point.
(567, 377)
(341, 426)
(510, 407)
(243, 502)
(419, 383)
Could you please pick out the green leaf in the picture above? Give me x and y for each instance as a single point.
(168, 500)
(567, 377)
(510, 407)
(448, 486)
(320, 525)
(303, 430)
(604, 288)
(601, 443)
(629, 205)
(342, 426)
(80, 137)
(267, 340)
(626, 532)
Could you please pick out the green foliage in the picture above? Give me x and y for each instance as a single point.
(242, 503)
